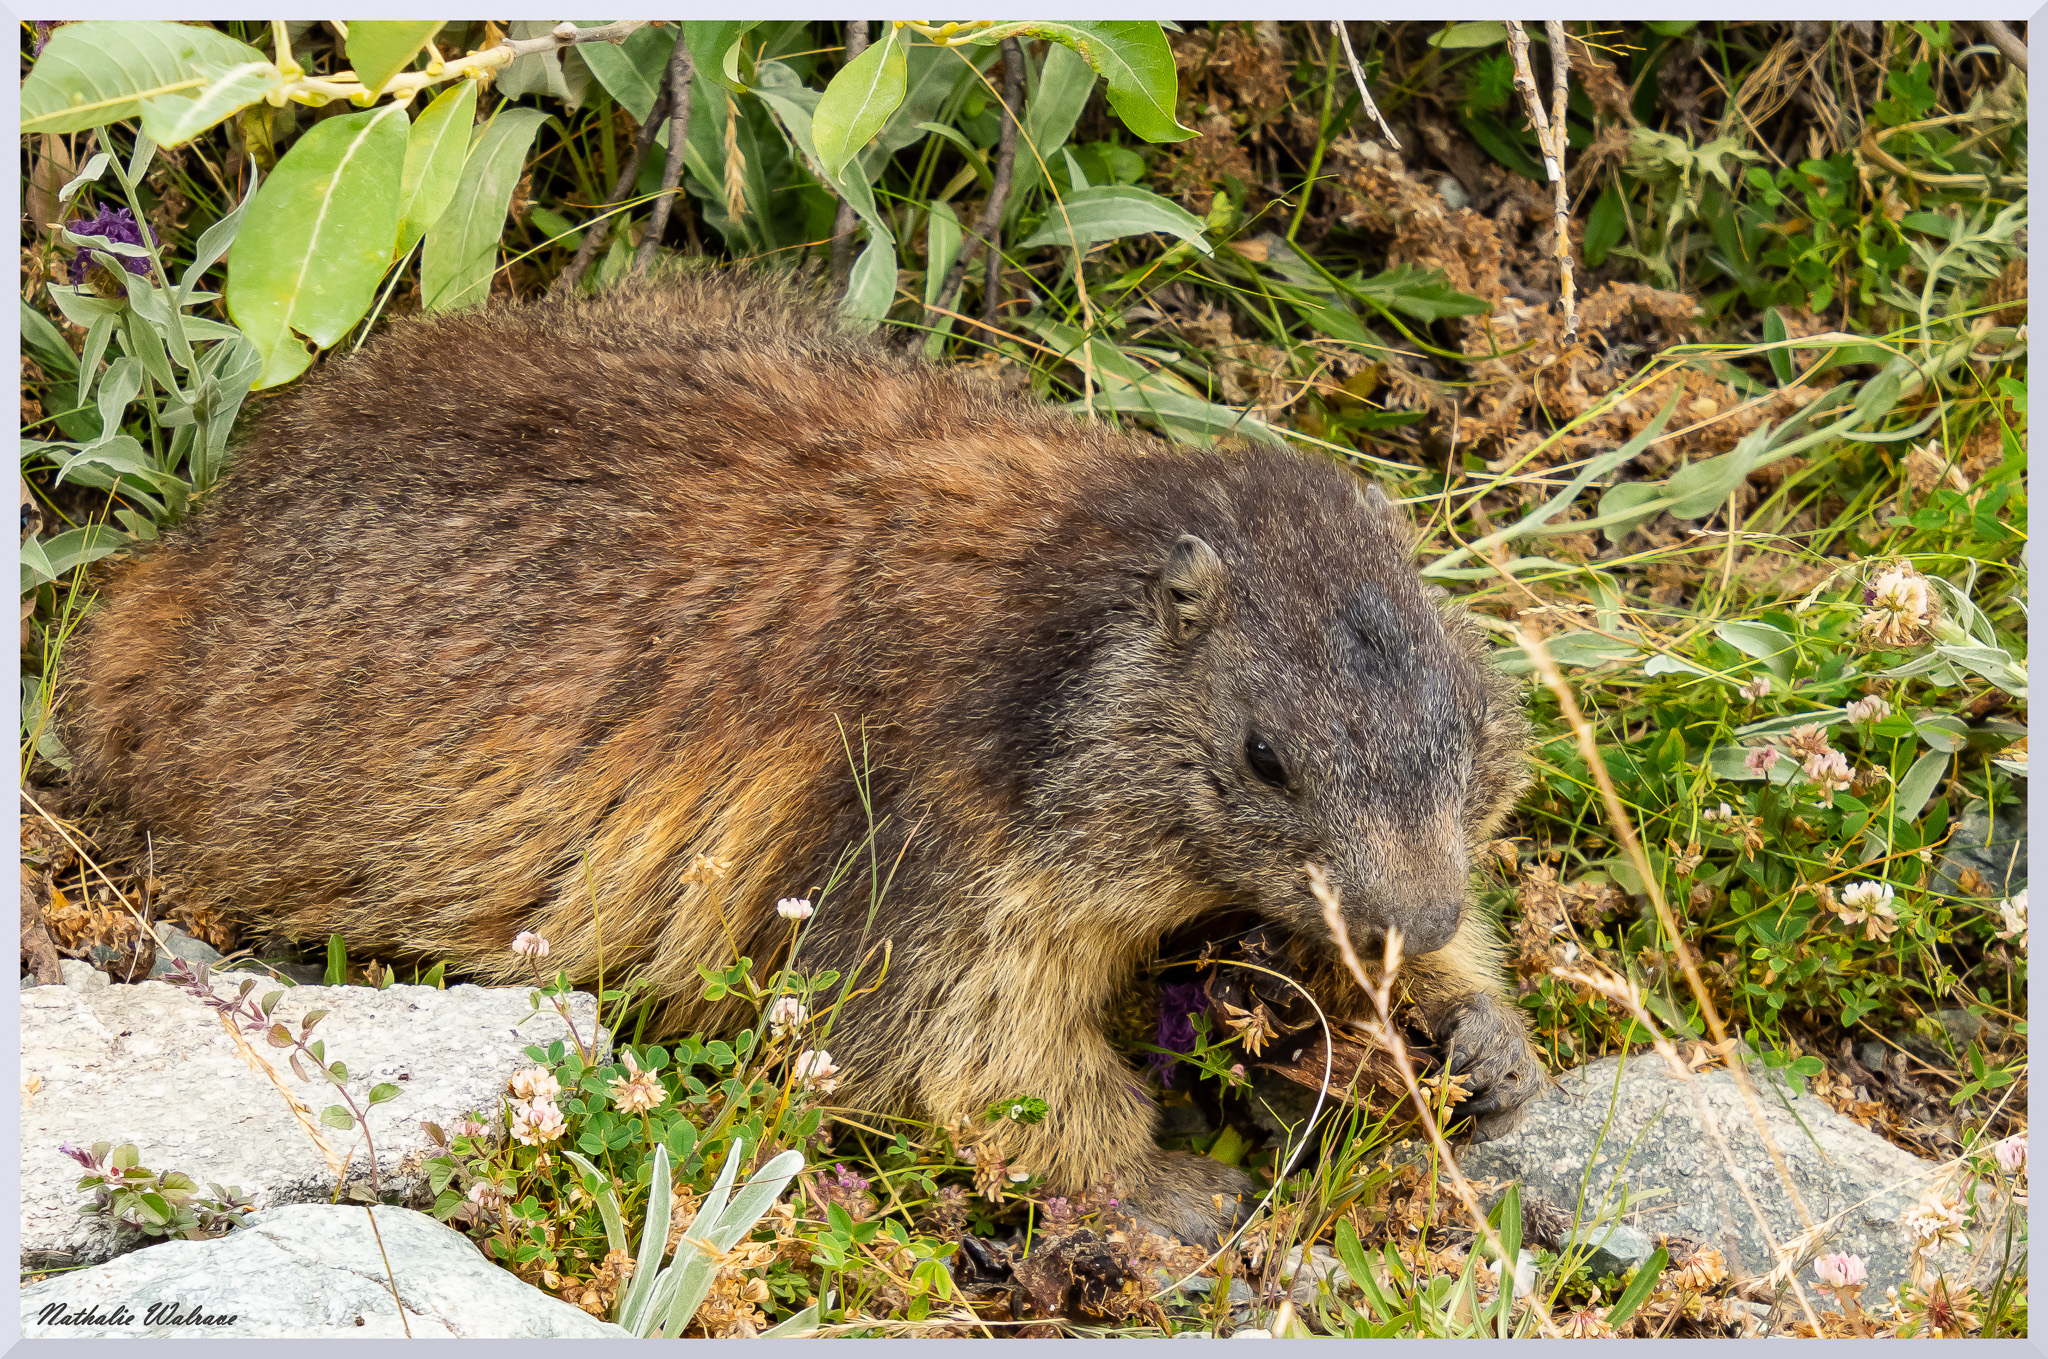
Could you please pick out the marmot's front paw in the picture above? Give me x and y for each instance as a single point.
(1193, 1198)
(1488, 1047)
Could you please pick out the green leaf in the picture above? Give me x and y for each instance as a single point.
(434, 154)
(713, 45)
(336, 1116)
(1132, 55)
(76, 547)
(318, 239)
(386, 1092)
(174, 119)
(1421, 293)
(49, 345)
(1064, 83)
(871, 287)
(1638, 1288)
(632, 72)
(337, 961)
(1606, 224)
(379, 49)
(859, 101)
(100, 71)
(1111, 212)
(1774, 333)
(941, 248)
(1480, 33)
(461, 251)
(1773, 646)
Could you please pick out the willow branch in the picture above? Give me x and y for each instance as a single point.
(594, 234)
(988, 232)
(680, 74)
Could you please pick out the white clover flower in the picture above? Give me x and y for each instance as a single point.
(1760, 759)
(1869, 708)
(1756, 688)
(2012, 912)
(530, 944)
(1867, 896)
(815, 1070)
(536, 1084)
(785, 1014)
(1932, 1222)
(536, 1122)
(1829, 771)
(2011, 1154)
(1837, 1272)
(793, 908)
(1901, 607)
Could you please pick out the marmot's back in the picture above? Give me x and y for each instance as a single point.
(605, 579)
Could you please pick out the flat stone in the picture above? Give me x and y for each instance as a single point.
(82, 976)
(308, 1271)
(150, 1064)
(1676, 1182)
(173, 943)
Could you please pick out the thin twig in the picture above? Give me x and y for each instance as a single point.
(1364, 95)
(680, 75)
(594, 234)
(843, 222)
(1550, 136)
(1006, 161)
(566, 34)
(988, 232)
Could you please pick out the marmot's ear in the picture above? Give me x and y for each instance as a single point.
(1188, 592)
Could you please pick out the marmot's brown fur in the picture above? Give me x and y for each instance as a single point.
(517, 618)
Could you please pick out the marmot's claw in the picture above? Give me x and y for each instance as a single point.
(1490, 1048)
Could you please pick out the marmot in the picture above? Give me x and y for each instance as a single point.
(627, 616)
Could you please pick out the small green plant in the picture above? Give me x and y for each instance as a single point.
(154, 1203)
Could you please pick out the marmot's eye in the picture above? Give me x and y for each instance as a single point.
(1259, 755)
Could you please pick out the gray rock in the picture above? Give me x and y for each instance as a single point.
(1617, 1249)
(1656, 1151)
(174, 943)
(1453, 193)
(1995, 847)
(312, 1271)
(1872, 1055)
(151, 1065)
(82, 976)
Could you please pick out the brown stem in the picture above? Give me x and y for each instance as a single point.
(680, 74)
(594, 234)
(843, 223)
(989, 232)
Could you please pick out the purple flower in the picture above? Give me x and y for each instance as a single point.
(848, 1180)
(82, 1155)
(115, 224)
(1179, 1003)
(44, 28)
